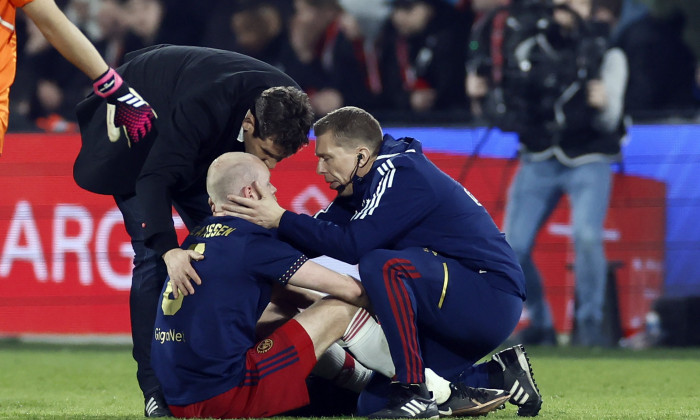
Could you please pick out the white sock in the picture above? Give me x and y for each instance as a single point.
(365, 339)
(339, 367)
(439, 386)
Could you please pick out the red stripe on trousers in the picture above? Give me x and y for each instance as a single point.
(404, 314)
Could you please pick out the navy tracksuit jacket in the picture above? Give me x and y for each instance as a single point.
(444, 283)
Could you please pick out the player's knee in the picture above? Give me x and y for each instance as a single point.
(374, 267)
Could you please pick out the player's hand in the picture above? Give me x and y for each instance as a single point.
(180, 271)
(264, 211)
(130, 111)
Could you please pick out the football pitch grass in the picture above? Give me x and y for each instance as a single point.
(58, 381)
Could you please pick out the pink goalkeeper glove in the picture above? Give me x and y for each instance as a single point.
(131, 111)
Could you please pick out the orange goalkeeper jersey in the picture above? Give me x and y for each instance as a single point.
(8, 41)
(8, 58)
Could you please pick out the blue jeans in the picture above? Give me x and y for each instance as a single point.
(149, 276)
(533, 195)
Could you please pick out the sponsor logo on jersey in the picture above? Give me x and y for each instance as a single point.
(162, 336)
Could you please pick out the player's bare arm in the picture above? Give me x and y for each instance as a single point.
(180, 270)
(342, 286)
(297, 297)
(265, 212)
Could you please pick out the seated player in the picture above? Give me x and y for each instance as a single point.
(204, 349)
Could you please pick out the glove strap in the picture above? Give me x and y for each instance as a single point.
(108, 83)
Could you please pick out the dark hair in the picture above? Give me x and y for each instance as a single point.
(614, 6)
(325, 4)
(283, 114)
(351, 126)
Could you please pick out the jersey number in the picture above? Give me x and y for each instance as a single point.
(171, 306)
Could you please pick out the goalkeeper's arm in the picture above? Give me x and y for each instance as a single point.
(135, 115)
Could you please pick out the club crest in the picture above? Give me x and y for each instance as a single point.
(264, 346)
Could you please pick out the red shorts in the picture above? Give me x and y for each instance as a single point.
(275, 380)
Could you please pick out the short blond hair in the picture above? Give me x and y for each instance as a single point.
(230, 173)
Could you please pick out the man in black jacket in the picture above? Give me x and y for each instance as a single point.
(570, 130)
(208, 102)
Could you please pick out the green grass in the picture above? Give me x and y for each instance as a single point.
(47, 381)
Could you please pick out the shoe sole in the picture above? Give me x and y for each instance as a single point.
(531, 408)
(529, 411)
(528, 408)
(482, 409)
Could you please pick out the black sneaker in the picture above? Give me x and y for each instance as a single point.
(518, 380)
(156, 406)
(408, 402)
(467, 401)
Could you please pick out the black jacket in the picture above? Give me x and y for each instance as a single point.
(434, 57)
(200, 96)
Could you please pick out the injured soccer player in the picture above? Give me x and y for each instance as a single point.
(217, 367)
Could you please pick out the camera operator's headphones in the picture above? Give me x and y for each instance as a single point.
(531, 23)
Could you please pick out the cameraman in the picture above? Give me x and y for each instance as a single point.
(567, 143)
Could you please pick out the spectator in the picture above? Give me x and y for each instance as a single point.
(492, 34)
(111, 20)
(126, 26)
(254, 28)
(422, 57)
(81, 13)
(663, 75)
(369, 14)
(144, 21)
(185, 23)
(58, 85)
(325, 63)
(632, 10)
(568, 136)
(362, 23)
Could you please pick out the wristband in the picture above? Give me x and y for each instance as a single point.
(108, 83)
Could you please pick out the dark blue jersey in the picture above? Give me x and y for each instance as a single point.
(406, 201)
(200, 340)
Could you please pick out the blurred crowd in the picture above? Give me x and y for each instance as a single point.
(403, 60)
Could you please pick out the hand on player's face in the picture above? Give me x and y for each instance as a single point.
(335, 163)
(261, 209)
(263, 187)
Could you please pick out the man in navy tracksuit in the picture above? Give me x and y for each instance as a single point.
(442, 280)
